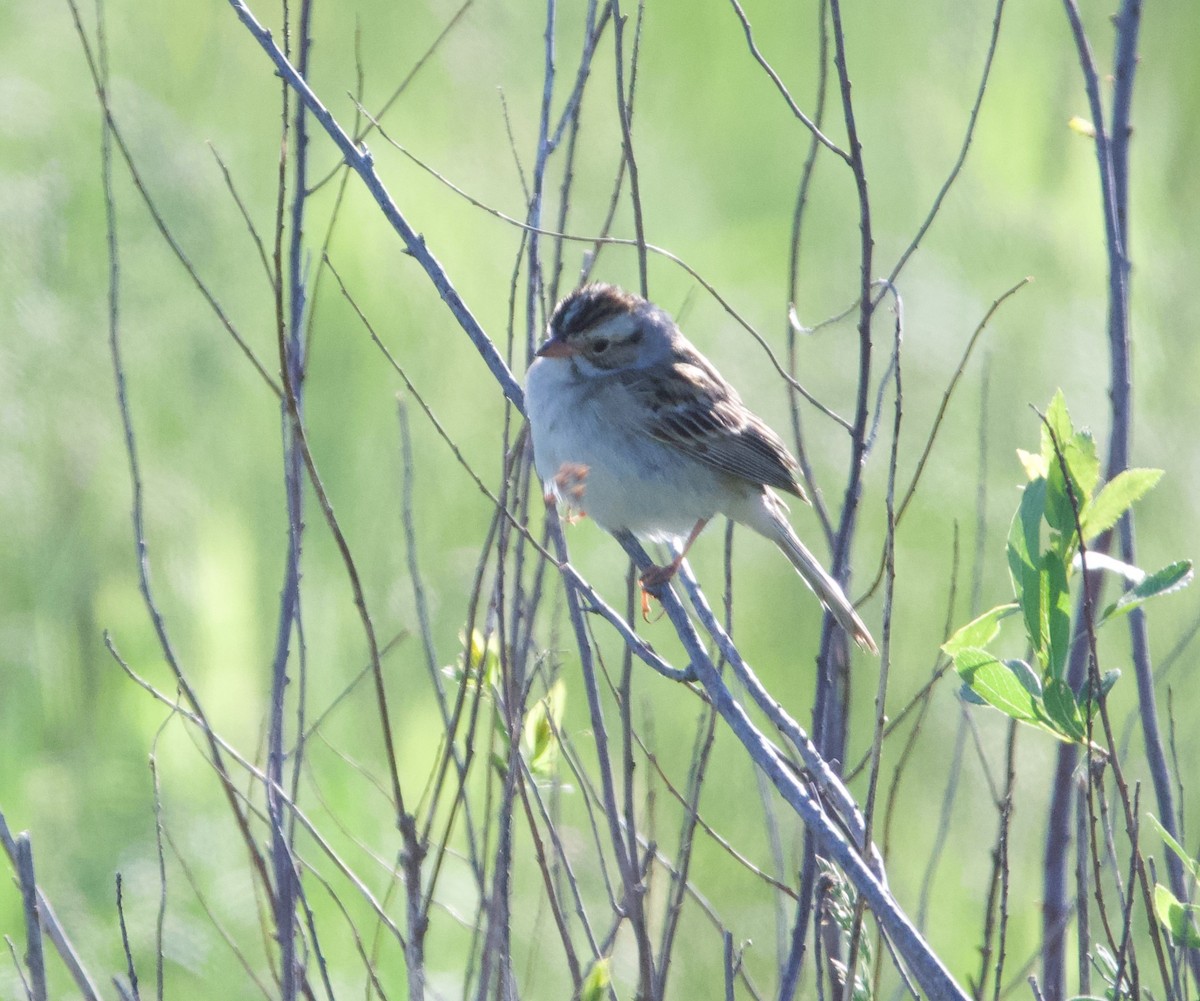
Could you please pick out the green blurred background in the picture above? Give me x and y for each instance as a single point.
(719, 156)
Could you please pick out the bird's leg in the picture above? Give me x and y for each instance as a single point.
(656, 577)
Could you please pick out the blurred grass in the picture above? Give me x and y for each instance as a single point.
(720, 156)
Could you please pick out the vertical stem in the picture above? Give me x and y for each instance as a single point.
(623, 110)
(535, 277)
(833, 682)
(1082, 919)
(290, 320)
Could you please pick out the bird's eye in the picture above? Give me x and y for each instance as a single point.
(600, 345)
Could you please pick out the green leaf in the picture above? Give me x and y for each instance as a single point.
(1189, 863)
(1034, 465)
(1117, 496)
(1056, 602)
(479, 661)
(968, 695)
(994, 682)
(1026, 675)
(1105, 962)
(1063, 710)
(1168, 579)
(979, 632)
(478, 665)
(541, 728)
(1077, 447)
(1176, 917)
(1056, 419)
(1074, 462)
(1084, 463)
(1089, 701)
(1024, 557)
(1061, 502)
(595, 984)
(489, 657)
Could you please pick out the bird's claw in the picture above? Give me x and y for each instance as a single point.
(655, 578)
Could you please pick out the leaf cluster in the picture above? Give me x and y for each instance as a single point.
(1174, 915)
(479, 664)
(1064, 507)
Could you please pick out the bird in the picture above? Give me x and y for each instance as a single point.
(634, 427)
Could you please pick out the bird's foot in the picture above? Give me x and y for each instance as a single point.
(570, 482)
(658, 577)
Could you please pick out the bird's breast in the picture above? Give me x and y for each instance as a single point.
(589, 449)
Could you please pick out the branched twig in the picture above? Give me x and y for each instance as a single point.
(808, 123)
(830, 703)
(109, 133)
(962, 152)
(52, 926)
(110, 126)
(939, 417)
(927, 968)
(650, 248)
(361, 161)
(624, 106)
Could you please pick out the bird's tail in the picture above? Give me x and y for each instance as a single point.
(828, 591)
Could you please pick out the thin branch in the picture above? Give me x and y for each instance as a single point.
(806, 176)
(130, 969)
(245, 213)
(109, 133)
(624, 105)
(111, 125)
(943, 406)
(402, 86)
(936, 207)
(927, 968)
(27, 880)
(832, 696)
(52, 927)
(361, 161)
(650, 248)
(808, 123)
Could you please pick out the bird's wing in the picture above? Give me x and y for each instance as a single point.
(688, 405)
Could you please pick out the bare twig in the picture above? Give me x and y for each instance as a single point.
(939, 417)
(109, 133)
(289, 323)
(927, 968)
(808, 123)
(110, 126)
(34, 960)
(831, 698)
(245, 213)
(361, 161)
(886, 648)
(130, 969)
(802, 190)
(935, 209)
(624, 104)
(52, 926)
(652, 249)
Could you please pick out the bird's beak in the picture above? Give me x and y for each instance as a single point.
(555, 348)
